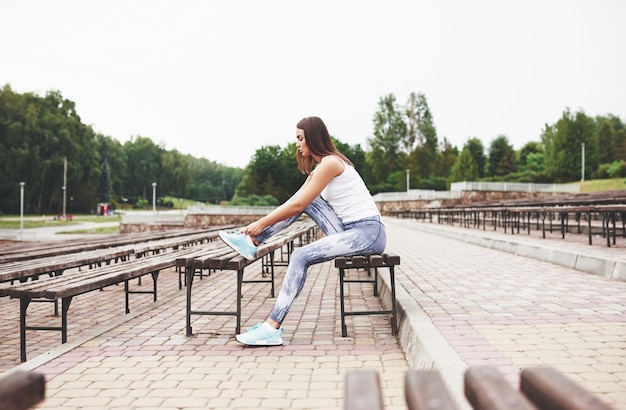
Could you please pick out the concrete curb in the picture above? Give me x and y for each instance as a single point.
(424, 346)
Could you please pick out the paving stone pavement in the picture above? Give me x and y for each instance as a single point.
(464, 303)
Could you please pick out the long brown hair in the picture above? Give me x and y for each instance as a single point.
(318, 141)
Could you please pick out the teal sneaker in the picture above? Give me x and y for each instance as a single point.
(261, 335)
(240, 243)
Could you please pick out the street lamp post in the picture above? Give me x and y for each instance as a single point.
(582, 167)
(407, 180)
(154, 184)
(21, 208)
(64, 202)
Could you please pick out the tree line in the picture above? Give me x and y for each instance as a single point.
(40, 134)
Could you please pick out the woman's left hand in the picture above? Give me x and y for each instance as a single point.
(253, 229)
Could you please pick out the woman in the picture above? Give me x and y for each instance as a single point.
(336, 198)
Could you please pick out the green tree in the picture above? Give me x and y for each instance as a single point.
(501, 157)
(143, 167)
(477, 151)
(421, 137)
(267, 174)
(111, 151)
(527, 149)
(104, 189)
(606, 143)
(464, 168)
(211, 182)
(535, 161)
(175, 170)
(507, 164)
(445, 159)
(389, 131)
(562, 144)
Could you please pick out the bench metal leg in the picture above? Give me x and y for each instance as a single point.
(394, 305)
(239, 286)
(268, 264)
(392, 311)
(24, 303)
(344, 331)
(153, 292)
(189, 283)
(189, 278)
(65, 306)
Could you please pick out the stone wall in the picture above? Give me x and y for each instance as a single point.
(206, 221)
(193, 221)
(467, 198)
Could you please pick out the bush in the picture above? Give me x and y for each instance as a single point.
(254, 200)
(617, 169)
(601, 173)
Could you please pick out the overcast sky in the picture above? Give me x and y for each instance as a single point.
(221, 79)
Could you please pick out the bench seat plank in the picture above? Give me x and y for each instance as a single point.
(20, 389)
(425, 390)
(549, 389)
(362, 390)
(486, 388)
(57, 264)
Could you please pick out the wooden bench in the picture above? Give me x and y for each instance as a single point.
(219, 256)
(21, 390)
(66, 287)
(485, 388)
(368, 263)
(35, 250)
(55, 265)
(605, 211)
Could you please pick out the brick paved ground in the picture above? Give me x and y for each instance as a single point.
(469, 305)
(146, 361)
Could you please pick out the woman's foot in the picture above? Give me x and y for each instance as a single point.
(262, 334)
(240, 243)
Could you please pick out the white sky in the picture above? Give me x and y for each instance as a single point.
(221, 79)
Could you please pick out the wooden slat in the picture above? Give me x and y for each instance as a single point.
(549, 389)
(487, 389)
(362, 390)
(425, 390)
(81, 282)
(21, 390)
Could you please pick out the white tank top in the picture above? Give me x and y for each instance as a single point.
(349, 196)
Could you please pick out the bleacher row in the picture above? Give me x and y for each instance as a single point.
(591, 214)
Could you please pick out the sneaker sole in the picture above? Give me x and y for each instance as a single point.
(233, 247)
(266, 342)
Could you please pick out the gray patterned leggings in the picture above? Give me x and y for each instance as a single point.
(362, 237)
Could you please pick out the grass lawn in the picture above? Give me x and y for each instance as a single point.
(13, 222)
(597, 185)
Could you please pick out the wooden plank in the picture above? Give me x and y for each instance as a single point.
(425, 390)
(362, 390)
(487, 389)
(21, 390)
(93, 279)
(60, 248)
(392, 259)
(549, 389)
